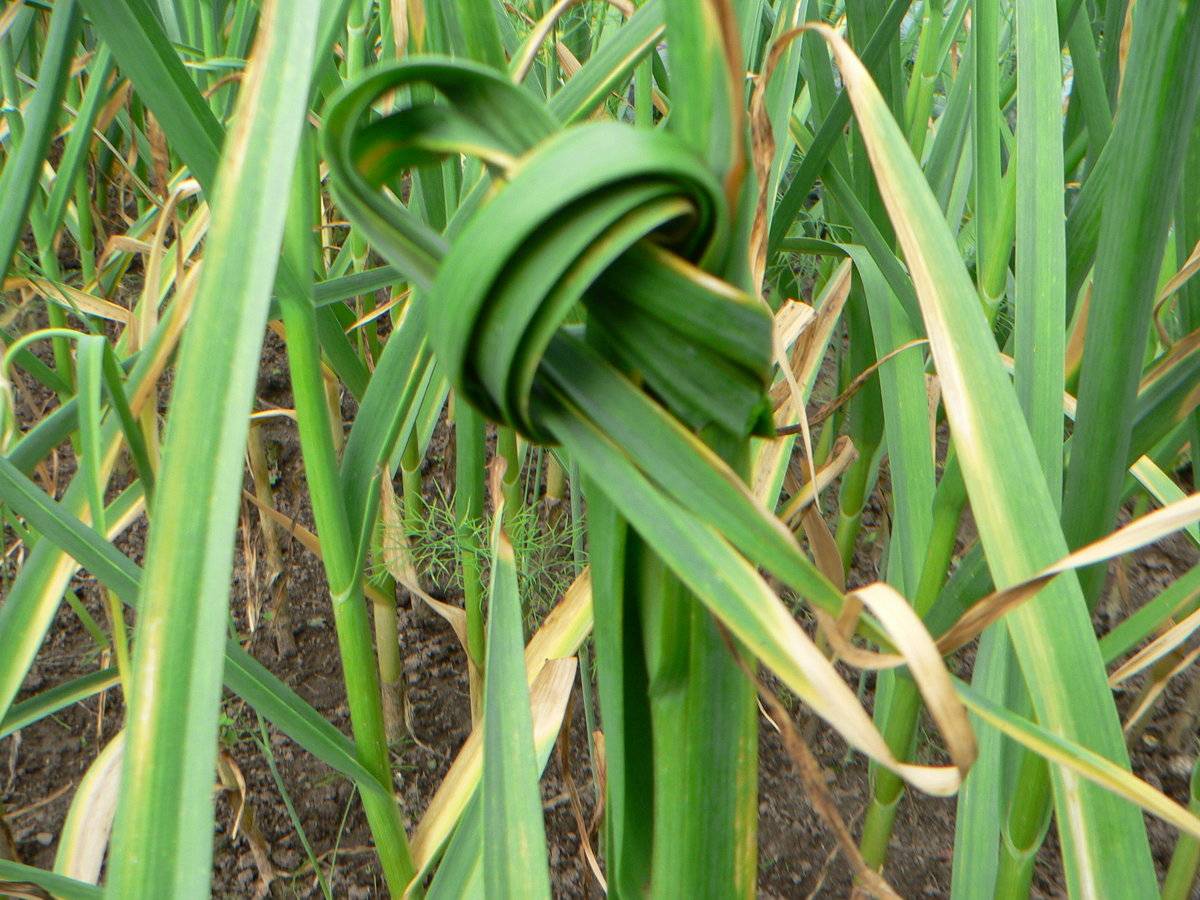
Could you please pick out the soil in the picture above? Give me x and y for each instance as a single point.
(41, 765)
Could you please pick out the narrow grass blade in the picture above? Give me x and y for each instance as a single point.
(35, 595)
(549, 674)
(514, 834)
(15, 877)
(460, 871)
(55, 699)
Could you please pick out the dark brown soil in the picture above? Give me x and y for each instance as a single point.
(40, 766)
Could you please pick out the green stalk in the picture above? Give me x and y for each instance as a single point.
(468, 513)
(910, 461)
(87, 229)
(387, 32)
(1024, 829)
(1185, 860)
(481, 35)
(865, 416)
(643, 94)
(986, 132)
(356, 57)
(899, 724)
(993, 259)
(338, 544)
(949, 157)
(507, 449)
(865, 419)
(864, 425)
(414, 499)
(189, 21)
(10, 86)
(64, 365)
(409, 523)
(556, 480)
(585, 652)
(862, 16)
(43, 234)
(926, 67)
(141, 167)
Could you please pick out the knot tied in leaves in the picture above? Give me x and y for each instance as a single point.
(671, 362)
(624, 220)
